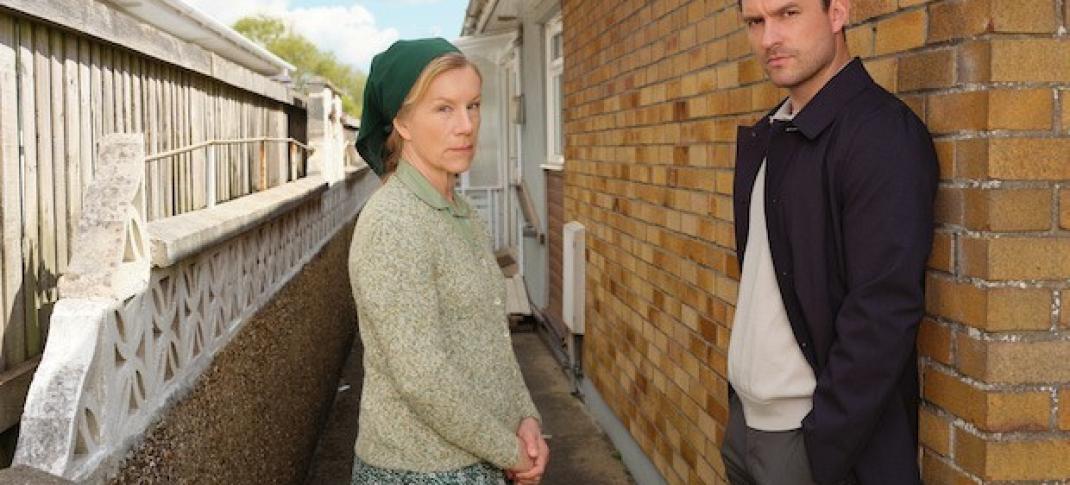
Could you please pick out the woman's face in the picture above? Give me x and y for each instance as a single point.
(441, 129)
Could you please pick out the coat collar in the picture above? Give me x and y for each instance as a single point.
(822, 109)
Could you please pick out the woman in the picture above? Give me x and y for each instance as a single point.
(443, 398)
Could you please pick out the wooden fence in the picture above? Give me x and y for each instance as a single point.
(60, 91)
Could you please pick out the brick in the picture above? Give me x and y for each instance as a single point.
(990, 110)
(1020, 109)
(1023, 16)
(1034, 459)
(936, 471)
(934, 341)
(860, 40)
(1024, 60)
(1064, 208)
(945, 156)
(1064, 99)
(970, 452)
(1064, 308)
(974, 62)
(934, 431)
(957, 301)
(1064, 409)
(1029, 158)
(954, 395)
(952, 112)
(1007, 209)
(992, 309)
(942, 255)
(1017, 411)
(926, 70)
(1018, 309)
(958, 18)
(988, 410)
(948, 206)
(1016, 258)
(865, 9)
(1014, 362)
(902, 32)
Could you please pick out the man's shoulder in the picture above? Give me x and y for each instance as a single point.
(876, 109)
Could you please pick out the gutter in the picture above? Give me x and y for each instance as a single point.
(213, 28)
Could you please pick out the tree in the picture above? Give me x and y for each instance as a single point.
(274, 35)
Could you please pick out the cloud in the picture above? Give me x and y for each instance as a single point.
(350, 32)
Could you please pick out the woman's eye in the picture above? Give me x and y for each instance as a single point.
(444, 109)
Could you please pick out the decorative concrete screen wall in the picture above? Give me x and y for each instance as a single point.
(146, 308)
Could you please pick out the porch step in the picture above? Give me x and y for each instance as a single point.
(516, 296)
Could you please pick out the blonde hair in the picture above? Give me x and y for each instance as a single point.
(437, 66)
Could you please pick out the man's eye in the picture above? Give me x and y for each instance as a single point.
(474, 106)
(791, 13)
(753, 22)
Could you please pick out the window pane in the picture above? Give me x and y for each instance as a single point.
(559, 122)
(555, 46)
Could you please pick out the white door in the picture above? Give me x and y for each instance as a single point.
(486, 184)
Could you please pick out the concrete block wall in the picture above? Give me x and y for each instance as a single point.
(654, 92)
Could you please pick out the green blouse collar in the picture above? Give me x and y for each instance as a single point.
(418, 184)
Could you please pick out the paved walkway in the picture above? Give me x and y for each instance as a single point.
(580, 454)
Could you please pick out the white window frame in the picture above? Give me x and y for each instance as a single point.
(555, 155)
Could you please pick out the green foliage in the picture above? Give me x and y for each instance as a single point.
(309, 60)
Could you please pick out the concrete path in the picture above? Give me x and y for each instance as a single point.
(580, 454)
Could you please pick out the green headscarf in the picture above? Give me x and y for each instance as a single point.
(392, 75)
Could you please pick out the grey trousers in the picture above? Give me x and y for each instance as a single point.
(753, 457)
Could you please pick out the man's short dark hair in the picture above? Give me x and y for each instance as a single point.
(826, 3)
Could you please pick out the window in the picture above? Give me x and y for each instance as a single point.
(555, 97)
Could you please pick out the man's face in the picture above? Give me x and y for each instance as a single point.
(793, 39)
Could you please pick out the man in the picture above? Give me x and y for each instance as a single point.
(833, 207)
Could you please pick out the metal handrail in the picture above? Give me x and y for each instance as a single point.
(236, 141)
(210, 162)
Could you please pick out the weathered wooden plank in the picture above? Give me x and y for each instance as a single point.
(152, 105)
(73, 128)
(96, 92)
(30, 210)
(14, 333)
(184, 136)
(85, 101)
(101, 20)
(128, 94)
(46, 202)
(14, 384)
(137, 115)
(59, 152)
(107, 90)
(196, 115)
(167, 165)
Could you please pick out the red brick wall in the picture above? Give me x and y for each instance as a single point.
(654, 92)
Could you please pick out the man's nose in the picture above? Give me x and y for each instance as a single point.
(771, 36)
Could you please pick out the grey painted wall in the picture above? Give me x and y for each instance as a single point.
(533, 144)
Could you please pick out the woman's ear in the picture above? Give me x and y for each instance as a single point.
(402, 129)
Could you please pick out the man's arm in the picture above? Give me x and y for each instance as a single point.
(887, 186)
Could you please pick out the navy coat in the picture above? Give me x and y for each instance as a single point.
(850, 184)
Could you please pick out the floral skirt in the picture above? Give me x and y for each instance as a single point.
(478, 474)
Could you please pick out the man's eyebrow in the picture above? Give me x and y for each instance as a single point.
(777, 12)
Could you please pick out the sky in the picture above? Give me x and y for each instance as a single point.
(354, 30)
